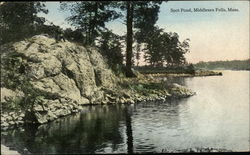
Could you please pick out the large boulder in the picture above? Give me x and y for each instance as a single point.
(57, 70)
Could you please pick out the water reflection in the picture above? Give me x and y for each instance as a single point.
(217, 117)
(129, 131)
(96, 130)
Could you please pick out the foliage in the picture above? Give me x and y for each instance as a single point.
(111, 47)
(14, 77)
(141, 15)
(73, 35)
(90, 17)
(162, 48)
(19, 20)
(32, 95)
(234, 65)
(10, 71)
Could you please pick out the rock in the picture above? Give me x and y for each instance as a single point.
(9, 118)
(176, 85)
(51, 116)
(10, 95)
(62, 112)
(66, 75)
(38, 108)
(137, 73)
(60, 69)
(41, 118)
(21, 115)
(6, 151)
(20, 122)
(11, 122)
(179, 91)
(4, 124)
(132, 101)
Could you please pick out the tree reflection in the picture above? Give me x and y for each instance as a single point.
(129, 131)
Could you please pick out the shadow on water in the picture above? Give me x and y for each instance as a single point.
(98, 129)
(217, 117)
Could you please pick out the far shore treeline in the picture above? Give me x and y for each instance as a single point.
(224, 65)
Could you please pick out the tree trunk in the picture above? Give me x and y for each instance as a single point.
(129, 41)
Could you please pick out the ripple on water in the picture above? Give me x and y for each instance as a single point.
(216, 117)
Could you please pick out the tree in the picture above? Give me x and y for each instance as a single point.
(90, 17)
(111, 48)
(73, 35)
(163, 48)
(138, 49)
(154, 47)
(19, 20)
(140, 15)
(175, 49)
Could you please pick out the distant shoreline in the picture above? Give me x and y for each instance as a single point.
(224, 65)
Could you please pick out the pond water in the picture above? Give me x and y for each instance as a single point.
(216, 117)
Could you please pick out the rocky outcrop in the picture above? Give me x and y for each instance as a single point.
(65, 75)
(179, 91)
(42, 80)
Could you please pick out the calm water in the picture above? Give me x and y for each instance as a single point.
(216, 117)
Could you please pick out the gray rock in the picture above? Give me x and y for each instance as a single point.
(4, 124)
(8, 118)
(6, 151)
(10, 95)
(62, 112)
(39, 108)
(22, 115)
(41, 118)
(11, 122)
(51, 116)
(20, 122)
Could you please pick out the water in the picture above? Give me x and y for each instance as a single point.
(216, 117)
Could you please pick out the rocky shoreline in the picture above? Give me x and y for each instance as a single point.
(43, 80)
(51, 111)
(56, 110)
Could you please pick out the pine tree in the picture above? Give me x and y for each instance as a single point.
(19, 20)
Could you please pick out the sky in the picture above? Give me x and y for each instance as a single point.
(213, 35)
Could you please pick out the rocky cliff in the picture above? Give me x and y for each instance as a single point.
(56, 78)
(43, 79)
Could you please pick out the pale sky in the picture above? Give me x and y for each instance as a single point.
(214, 35)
